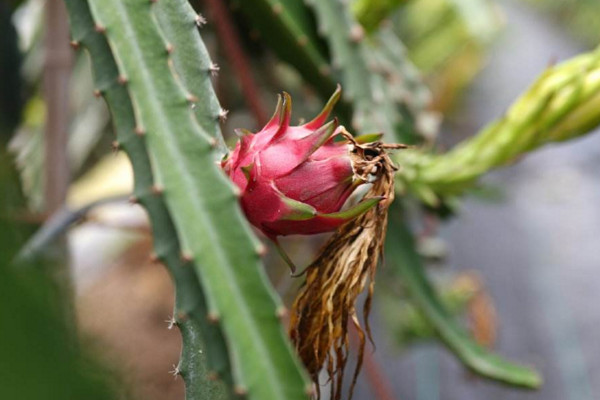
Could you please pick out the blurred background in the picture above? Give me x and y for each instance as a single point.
(518, 263)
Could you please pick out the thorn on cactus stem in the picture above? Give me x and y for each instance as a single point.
(281, 312)
(191, 98)
(212, 318)
(261, 250)
(154, 259)
(138, 130)
(169, 47)
(277, 8)
(153, 1)
(223, 114)
(237, 192)
(325, 70)
(200, 21)
(175, 371)
(357, 33)
(171, 322)
(213, 69)
(310, 390)
(97, 93)
(212, 376)
(302, 41)
(122, 80)
(240, 390)
(133, 199)
(181, 317)
(213, 142)
(115, 146)
(186, 257)
(74, 44)
(157, 190)
(99, 28)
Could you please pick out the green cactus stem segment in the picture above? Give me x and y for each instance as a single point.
(204, 352)
(203, 205)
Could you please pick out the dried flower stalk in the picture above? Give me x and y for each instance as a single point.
(346, 264)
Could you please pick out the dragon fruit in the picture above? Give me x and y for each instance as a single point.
(296, 179)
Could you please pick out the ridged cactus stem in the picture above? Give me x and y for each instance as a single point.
(385, 90)
(203, 203)
(190, 307)
(179, 23)
(562, 104)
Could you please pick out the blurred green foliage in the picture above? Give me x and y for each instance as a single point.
(40, 357)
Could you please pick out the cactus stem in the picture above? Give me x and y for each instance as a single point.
(169, 47)
(122, 80)
(133, 199)
(157, 190)
(97, 93)
(74, 44)
(138, 130)
(100, 28)
(240, 390)
(175, 371)
(200, 21)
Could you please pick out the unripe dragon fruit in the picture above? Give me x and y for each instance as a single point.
(296, 179)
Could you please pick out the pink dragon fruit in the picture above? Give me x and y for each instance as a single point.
(295, 179)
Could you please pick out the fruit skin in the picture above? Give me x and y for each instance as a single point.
(295, 179)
